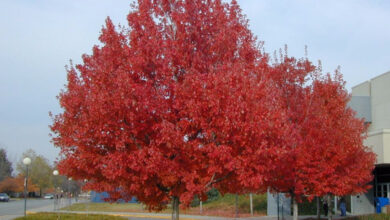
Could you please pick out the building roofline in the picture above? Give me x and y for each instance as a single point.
(368, 81)
(388, 72)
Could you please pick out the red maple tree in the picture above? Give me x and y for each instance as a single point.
(171, 106)
(183, 100)
(323, 152)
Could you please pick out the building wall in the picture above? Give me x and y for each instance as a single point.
(363, 89)
(284, 204)
(375, 141)
(378, 90)
(363, 203)
(362, 106)
(380, 102)
(386, 144)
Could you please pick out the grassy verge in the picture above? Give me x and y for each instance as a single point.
(227, 204)
(55, 216)
(220, 206)
(106, 207)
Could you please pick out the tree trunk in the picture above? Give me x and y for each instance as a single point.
(175, 208)
(295, 208)
(236, 205)
(328, 199)
(318, 208)
(251, 203)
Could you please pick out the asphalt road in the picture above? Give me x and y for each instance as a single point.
(15, 208)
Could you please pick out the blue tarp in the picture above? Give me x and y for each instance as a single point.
(380, 202)
(99, 197)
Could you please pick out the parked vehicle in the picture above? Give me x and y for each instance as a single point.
(4, 197)
(49, 196)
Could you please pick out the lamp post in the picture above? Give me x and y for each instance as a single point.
(85, 182)
(62, 200)
(55, 173)
(27, 162)
(69, 195)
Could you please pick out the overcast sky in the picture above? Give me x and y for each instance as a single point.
(39, 37)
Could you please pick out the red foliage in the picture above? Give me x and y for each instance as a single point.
(8, 185)
(174, 105)
(323, 152)
(183, 100)
(16, 184)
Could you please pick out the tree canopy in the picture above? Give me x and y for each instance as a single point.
(40, 171)
(323, 152)
(184, 99)
(5, 165)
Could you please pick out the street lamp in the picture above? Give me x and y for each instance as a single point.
(55, 173)
(85, 182)
(27, 162)
(69, 195)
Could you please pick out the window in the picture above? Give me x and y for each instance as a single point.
(379, 190)
(382, 190)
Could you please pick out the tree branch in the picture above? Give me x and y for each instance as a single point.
(212, 181)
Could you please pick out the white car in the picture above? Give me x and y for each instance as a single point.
(49, 196)
(4, 197)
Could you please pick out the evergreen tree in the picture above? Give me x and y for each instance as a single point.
(5, 165)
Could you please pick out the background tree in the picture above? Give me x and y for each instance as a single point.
(31, 187)
(9, 185)
(323, 151)
(40, 171)
(336, 146)
(16, 185)
(5, 165)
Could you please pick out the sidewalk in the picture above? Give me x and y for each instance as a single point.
(189, 217)
(48, 208)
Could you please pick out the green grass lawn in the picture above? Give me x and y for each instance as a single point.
(218, 206)
(62, 216)
(227, 202)
(106, 207)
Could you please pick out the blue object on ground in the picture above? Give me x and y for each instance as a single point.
(380, 202)
(99, 198)
(343, 209)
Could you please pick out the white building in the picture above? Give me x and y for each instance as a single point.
(371, 100)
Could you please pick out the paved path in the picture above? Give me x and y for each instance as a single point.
(163, 216)
(15, 208)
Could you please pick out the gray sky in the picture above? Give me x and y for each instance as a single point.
(39, 37)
